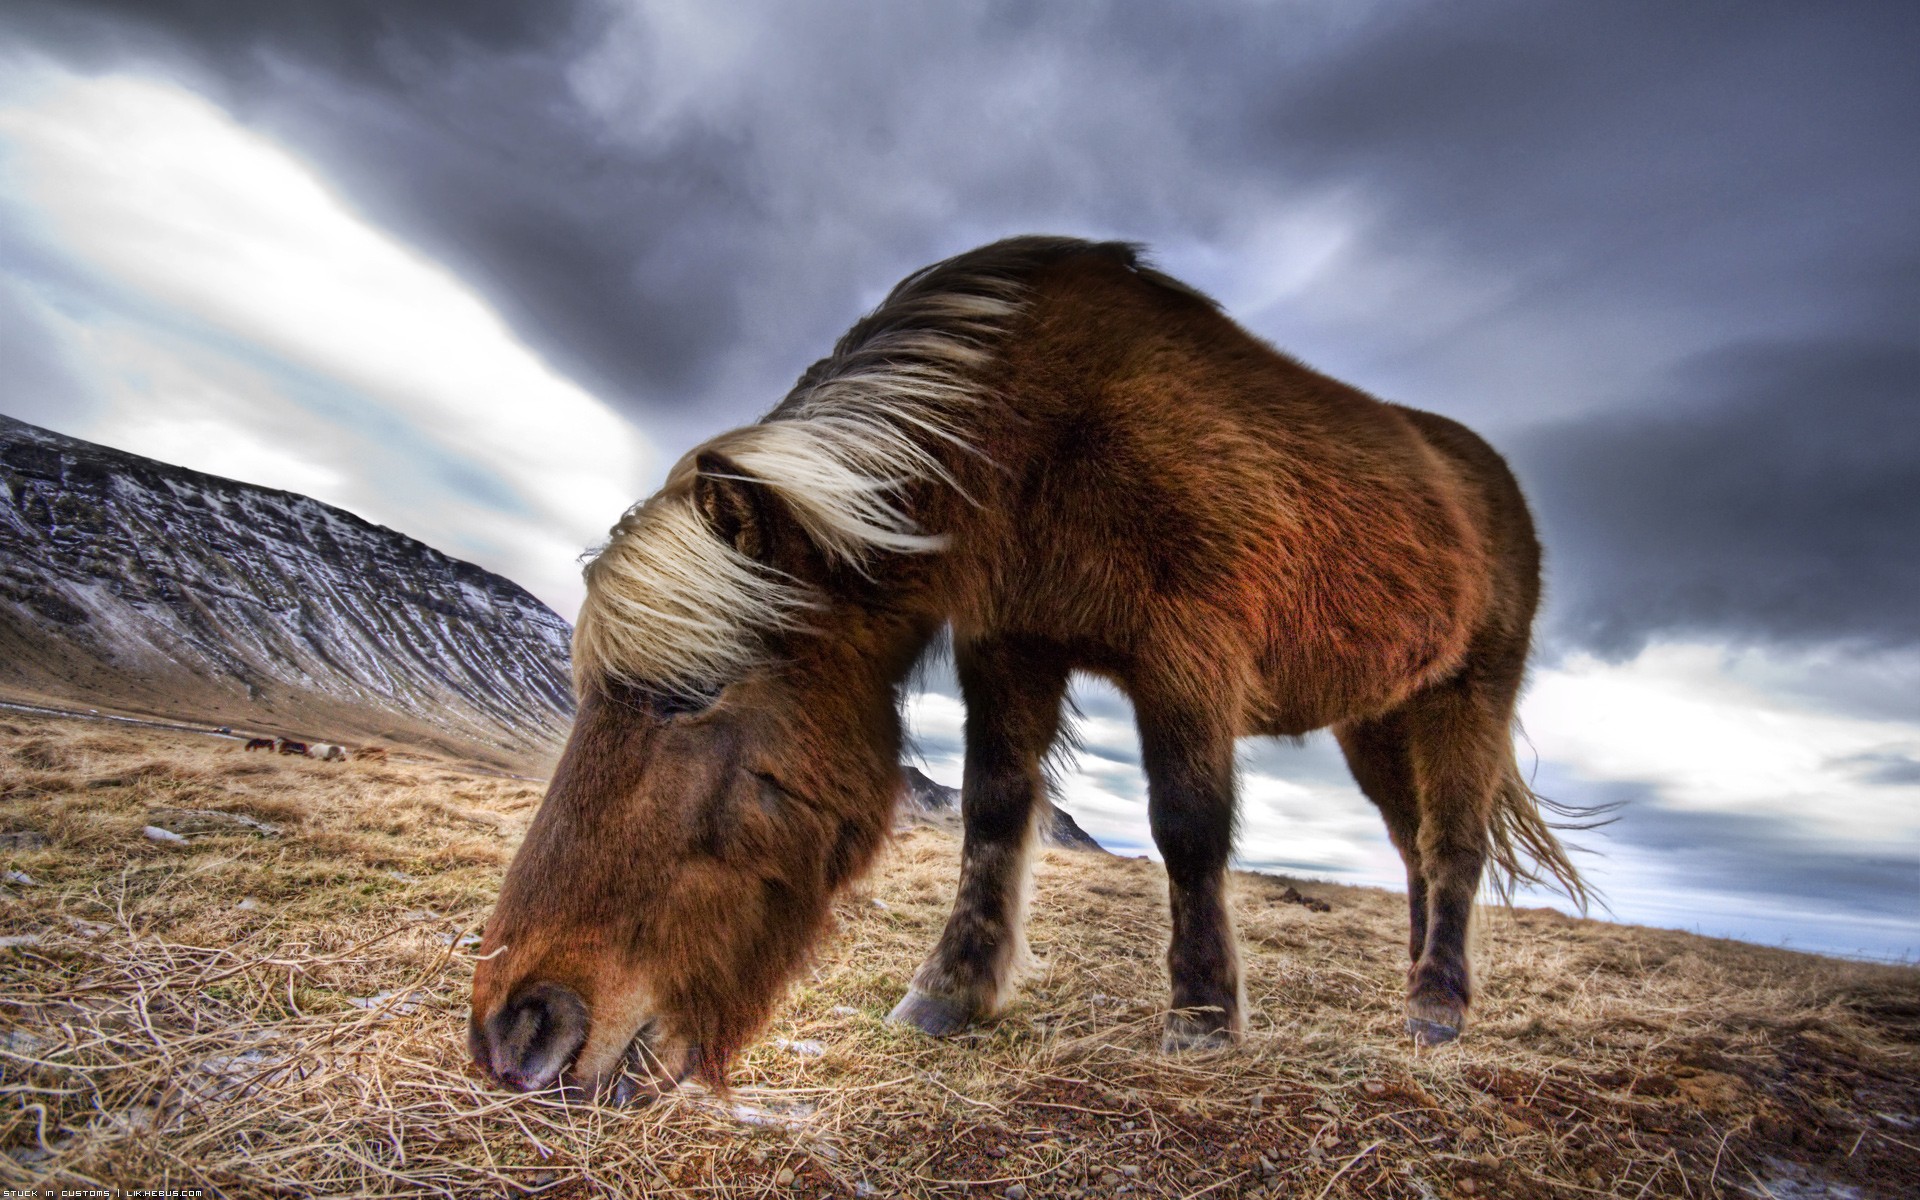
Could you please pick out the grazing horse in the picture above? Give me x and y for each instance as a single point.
(327, 752)
(1078, 464)
(260, 743)
(289, 746)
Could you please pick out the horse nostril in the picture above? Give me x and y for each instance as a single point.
(533, 1036)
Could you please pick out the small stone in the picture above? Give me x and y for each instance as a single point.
(21, 878)
(247, 905)
(1266, 1165)
(1259, 1102)
(192, 822)
(880, 904)
(1017, 1191)
(1129, 1126)
(139, 1117)
(1470, 1134)
(802, 1049)
(1467, 1187)
(14, 941)
(19, 1041)
(844, 1010)
(1373, 1087)
(1108, 1178)
(996, 1151)
(156, 834)
(384, 1001)
(784, 1177)
(1130, 1170)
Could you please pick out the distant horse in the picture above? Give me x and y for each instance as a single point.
(1079, 464)
(327, 752)
(289, 746)
(260, 743)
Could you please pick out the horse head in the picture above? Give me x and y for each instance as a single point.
(719, 785)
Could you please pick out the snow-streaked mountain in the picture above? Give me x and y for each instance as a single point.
(927, 800)
(130, 583)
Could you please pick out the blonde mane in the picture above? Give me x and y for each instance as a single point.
(672, 607)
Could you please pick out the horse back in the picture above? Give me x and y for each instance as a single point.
(1190, 510)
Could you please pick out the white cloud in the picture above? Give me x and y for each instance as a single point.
(181, 404)
(1684, 718)
(181, 210)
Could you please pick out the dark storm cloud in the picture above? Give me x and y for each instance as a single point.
(1738, 163)
(1773, 493)
(455, 123)
(1633, 232)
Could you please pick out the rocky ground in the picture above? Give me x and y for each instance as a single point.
(247, 973)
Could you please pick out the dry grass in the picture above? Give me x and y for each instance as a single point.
(262, 1013)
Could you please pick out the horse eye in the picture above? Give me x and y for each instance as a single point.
(668, 703)
(680, 704)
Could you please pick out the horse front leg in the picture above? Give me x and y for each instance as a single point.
(1013, 695)
(1190, 805)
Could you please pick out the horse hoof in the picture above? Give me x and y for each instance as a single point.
(1431, 1033)
(1184, 1035)
(1435, 1016)
(935, 1016)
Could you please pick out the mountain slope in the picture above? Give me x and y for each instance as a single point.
(929, 802)
(131, 583)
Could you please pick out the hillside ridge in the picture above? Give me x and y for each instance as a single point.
(165, 591)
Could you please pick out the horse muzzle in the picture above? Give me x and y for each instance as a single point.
(538, 1040)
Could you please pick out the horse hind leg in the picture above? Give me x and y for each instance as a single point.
(1013, 715)
(1460, 744)
(1382, 764)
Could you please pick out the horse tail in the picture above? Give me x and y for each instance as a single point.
(1524, 846)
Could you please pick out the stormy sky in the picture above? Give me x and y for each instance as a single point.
(480, 271)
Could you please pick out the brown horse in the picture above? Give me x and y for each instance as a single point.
(1079, 464)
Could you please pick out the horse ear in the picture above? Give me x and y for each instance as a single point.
(738, 508)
